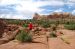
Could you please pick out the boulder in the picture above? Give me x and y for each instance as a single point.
(8, 36)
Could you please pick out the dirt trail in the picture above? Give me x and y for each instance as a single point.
(42, 42)
(14, 45)
(58, 43)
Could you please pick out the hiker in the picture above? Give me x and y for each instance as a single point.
(30, 26)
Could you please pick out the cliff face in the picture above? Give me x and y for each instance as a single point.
(2, 27)
(59, 15)
(53, 16)
(36, 16)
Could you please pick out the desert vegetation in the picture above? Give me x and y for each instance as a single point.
(24, 36)
(45, 27)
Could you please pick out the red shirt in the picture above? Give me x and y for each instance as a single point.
(30, 26)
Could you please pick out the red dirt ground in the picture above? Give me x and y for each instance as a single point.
(42, 43)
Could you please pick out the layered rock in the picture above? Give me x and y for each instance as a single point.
(2, 27)
(53, 16)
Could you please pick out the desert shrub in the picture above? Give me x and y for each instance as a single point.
(70, 22)
(25, 25)
(52, 34)
(70, 27)
(62, 21)
(17, 22)
(33, 21)
(14, 22)
(52, 22)
(39, 22)
(56, 24)
(46, 25)
(24, 37)
(54, 27)
(43, 23)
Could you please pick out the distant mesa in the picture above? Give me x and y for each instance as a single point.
(54, 15)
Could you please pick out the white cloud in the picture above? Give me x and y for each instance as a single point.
(70, 3)
(27, 8)
(51, 3)
(71, 0)
(73, 12)
(34, 6)
(8, 2)
(9, 16)
(59, 10)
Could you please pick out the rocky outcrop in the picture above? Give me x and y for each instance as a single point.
(2, 27)
(37, 16)
(53, 16)
(9, 34)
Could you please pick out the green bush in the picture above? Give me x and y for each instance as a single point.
(25, 25)
(24, 37)
(46, 25)
(70, 27)
(70, 22)
(53, 34)
(54, 27)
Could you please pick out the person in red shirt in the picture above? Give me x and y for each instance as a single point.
(30, 26)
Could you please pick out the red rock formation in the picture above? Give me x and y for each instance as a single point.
(35, 16)
(53, 16)
(2, 27)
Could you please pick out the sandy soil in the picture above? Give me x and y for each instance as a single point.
(41, 42)
(57, 43)
(13, 45)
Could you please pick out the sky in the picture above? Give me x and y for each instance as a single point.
(25, 9)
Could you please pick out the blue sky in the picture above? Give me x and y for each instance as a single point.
(25, 9)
